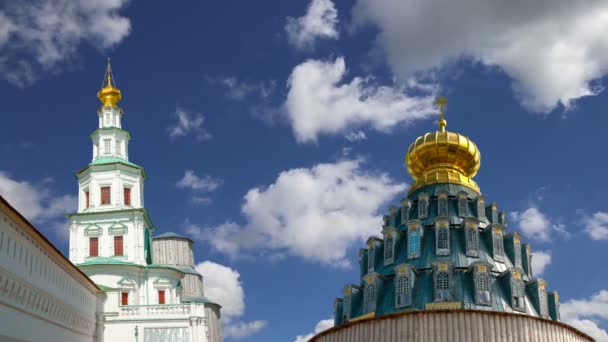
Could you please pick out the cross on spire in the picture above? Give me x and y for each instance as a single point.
(108, 80)
(442, 102)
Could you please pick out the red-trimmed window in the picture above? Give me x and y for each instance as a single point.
(161, 296)
(93, 246)
(87, 199)
(127, 194)
(105, 195)
(118, 245)
(124, 298)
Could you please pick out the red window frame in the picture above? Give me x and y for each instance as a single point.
(105, 195)
(161, 296)
(93, 246)
(118, 245)
(124, 298)
(127, 195)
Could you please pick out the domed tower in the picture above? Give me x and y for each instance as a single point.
(446, 267)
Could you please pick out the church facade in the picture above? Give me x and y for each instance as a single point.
(130, 284)
(446, 268)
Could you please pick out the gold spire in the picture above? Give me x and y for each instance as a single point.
(443, 157)
(109, 95)
(442, 102)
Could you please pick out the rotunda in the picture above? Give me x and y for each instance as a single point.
(446, 267)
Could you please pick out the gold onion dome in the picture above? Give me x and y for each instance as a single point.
(443, 157)
(109, 95)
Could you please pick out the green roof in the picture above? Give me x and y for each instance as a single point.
(106, 288)
(113, 160)
(107, 261)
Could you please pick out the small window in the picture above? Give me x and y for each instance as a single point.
(106, 146)
(118, 245)
(119, 147)
(518, 293)
(472, 241)
(443, 286)
(93, 246)
(482, 289)
(517, 251)
(481, 209)
(127, 195)
(403, 293)
(161, 296)
(369, 300)
(498, 245)
(413, 243)
(423, 205)
(442, 204)
(389, 248)
(107, 118)
(124, 298)
(405, 211)
(462, 204)
(87, 199)
(371, 257)
(542, 298)
(105, 195)
(442, 237)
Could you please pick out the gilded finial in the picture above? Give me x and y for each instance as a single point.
(109, 95)
(442, 102)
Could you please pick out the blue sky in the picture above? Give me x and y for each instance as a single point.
(274, 132)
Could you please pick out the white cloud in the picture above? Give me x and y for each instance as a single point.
(540, 261)
(42, 34)
(317, 103)
(356, 136)
(535, 225)
(321, 326)
(319, 22)
(553, 50)
(194, 182)
(188, 123)
(223, 285)
(596, 226)
(243, 329)
(238, 89)
(585, 314)
(337, 205)
(35, 201)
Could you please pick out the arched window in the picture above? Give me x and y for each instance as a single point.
(498, 245)
(482, 289)
(369, 298)
(389, 248)
(403, 293)
(442, 237)
(413, 243)
(519, 295)
(481, 209)
(443, 286)
(472, 240)
(462, 204)
(423, 205)
(442, 204)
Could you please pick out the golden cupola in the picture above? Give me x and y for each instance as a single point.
(443, 157)
(109, 95)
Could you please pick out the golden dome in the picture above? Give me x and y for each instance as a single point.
(443, 157)
(109, 95)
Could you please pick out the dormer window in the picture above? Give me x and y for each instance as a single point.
(481, 209)
(369, 296)
(413, 241)
(442, 204)
(403, 287)
(518, 294)
(406, 205)
(423, 205)
(442, 238)
(472, 239)
(483, 284)
(443, 283)
(498, 245)
(389, 247)
(462, 204)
